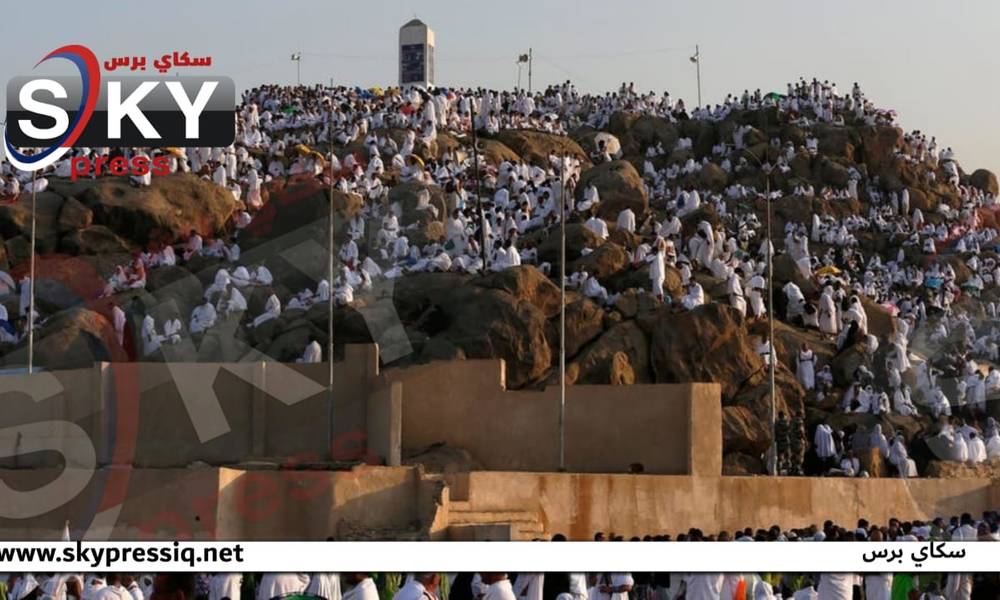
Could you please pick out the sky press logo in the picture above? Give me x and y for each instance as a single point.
(57, 113)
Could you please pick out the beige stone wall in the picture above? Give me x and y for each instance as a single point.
(608, 428)
(229, 504)
(224, 504)
(578, 505)
(168, 415)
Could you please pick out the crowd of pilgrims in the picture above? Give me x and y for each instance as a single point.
(277, 126)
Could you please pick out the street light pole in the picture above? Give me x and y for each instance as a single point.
(329, 303)
(770, 322)
(696, 59)
(297, 57)
(479, 195)
(31, 280)
(562, 315)
(772, 362)
(529, 70)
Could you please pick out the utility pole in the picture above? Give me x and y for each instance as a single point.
(329, 323)
(696, 59)
(479, 195)
(529, 69)
(562, 315)
(770, 323)
(31, 280)
(297, 59)
(772, 466)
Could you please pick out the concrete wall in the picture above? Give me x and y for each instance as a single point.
(669, 429)
(223, 504)
(313, 505)
(578, 505)
(173, 414)
(400, 503)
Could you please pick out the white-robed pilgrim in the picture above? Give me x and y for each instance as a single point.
(225, 585)
(365, 590)
(324, 585)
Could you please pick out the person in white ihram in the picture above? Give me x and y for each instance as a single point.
(497, 587)
(114, 590)
(324, 585)
(363, 587)
(423, 586)
(225, 585)
(277, 585)
(529, 586)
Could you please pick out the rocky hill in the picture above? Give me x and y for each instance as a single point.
(87, 228)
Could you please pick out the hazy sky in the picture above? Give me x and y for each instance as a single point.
(935, 62)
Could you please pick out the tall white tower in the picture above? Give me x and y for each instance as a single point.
(416, 54)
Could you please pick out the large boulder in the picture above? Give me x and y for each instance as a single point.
(15, 219)
(584, 322)
(737, 464)
(490, 323)
(62, 281)
(526, 284)
(495, 152)
(426, 233)
(96, 239)
(845, 363)
(169, 208)
(421, 295)
(629, 278)
(407, 194)
(878, 145)
(578, 237)
(607, 260)
(756, 394)
(619, 186)
(713, 177)
(833, 173)
(74, 338)
(743, 432)
(708, 343)
(985, 180)
(620, 356)
(536, 146)
(74, 215)
(648, 130)
(835, 141)
(881, 323)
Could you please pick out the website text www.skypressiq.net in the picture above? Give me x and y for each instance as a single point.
(166, 554)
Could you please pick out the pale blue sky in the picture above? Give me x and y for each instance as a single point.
(935, 62)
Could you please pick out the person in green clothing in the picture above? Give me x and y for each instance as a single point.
(903, 584)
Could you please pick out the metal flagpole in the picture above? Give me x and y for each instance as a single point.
(31, 279)
(297, 57)
(696, 59)
(770, 320)
(479, 195)
(562, 316)
(529, 69)
(772, 466)
(329, 324)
